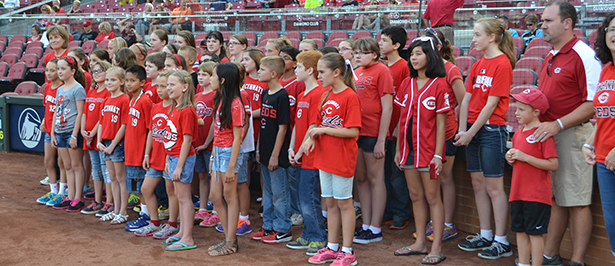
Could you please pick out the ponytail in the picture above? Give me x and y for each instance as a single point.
(446, 49)
(507, 47)
(79, 76)
(503, 37)
(335, 61)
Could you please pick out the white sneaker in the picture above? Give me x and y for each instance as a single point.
(45, 181)
(297, 219)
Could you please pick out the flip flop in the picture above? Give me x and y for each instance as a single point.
(183, 247)
(440, 259)
(172, 240)
(410, 252)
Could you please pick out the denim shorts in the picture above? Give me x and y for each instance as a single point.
(99, 167)
(451, 149)
(335, 186)
(63, 140)
(134, 178)
(187, 171)
(242, 176)
(221, 159)
(486, 151)
(366, 143)
(201, 164)
(47, 138)
(410, 163)
(156, 173)
(118, 152)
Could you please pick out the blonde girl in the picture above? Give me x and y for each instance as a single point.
(140, 52)
(308, 45)
(114, 45)
(274, 46)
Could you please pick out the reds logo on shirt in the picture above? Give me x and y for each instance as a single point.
(203, 110)
(159, 127)
(603, 97)
(530, 139)
(170, 135)
(430, 103)
(91, 107)
(292, 100)
(483, 82)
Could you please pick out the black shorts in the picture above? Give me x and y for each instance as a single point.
(450, 149)
(366, 143)
(529, 217)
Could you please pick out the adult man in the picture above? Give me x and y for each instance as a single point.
(179, 22)
(504, 20)
(440, 13)
(568, 78)
(88, 33)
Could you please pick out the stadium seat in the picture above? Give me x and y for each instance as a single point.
(4, 68)
(10, 59)
(31, 60)
(537, 42)
(519, 43)
(13, 50)
(531, 62)
(294, 42)
(89, 46)
(21, 38)
(227, 35)
(103, 44)
(201, 36)
(361, 34)
(523, 76)
(34, 44)
(250, 43)
(511, 119)
(73, 44)
(521, 88)
(16, 74)
(315, 35)
(334, 42)
(338, 34)
(293, 35)
(538, 51)
(269, 35)
(4, 39)
(465, 64)
(26, 88)
(250, 36)
(592, 38)
(16, 44)
(319, 42)
(41, 89)
(263, 42)
(476, 54)
(457, 51)
(579, 32)
(2, 46)
(411, 34)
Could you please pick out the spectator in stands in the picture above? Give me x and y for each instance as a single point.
(368, 22)
(158, 39)
(142, 26)
(266, 3)
(88, 33)
(37, 33)
(105, 32)
(169, 5)
(158, 23)
(220, 5)
(504, 20)
(47, 11)
(568, 79)
(313, 3)
(441, 15)
(76, 8)
(179, 22)
(56, 3)
(11, 4)
(531, 21)
(350, 3)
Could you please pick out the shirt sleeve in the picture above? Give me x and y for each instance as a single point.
(502, 79)
(283, 110)
(238, 113)
(147, 111)
(80, 93)
(548, 148)
(124, 111)
(245, 97)
(353, 112)
(453, 74)
(385, 82)
(187, 121)
(443, 104)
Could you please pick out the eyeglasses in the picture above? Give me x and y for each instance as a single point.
(549, 66)
(344, 49)
(233, 43)
(609, 30)
(98, 71)
(426, 39)
(530, 24)
(355, 53)
(501, 16)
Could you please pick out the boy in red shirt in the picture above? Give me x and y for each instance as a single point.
(154, 64)
(189, 53)
(530, 190)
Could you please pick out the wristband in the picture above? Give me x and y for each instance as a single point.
(559, 121)
(591, 147)
(291, 149)
(73, 137)
(146, 155)
(461, 132)
(437, 156)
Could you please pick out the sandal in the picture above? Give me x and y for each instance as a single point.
(225, 249)
(107, 217)
(217, 245)
(119, 219)
(407, 251)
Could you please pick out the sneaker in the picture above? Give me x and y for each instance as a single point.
(449, 233)
(211, 221)
(428, 230)
(345, 259)
(398, 224)
(517, 261)
(219, 228)
(64, 204)
(496, 251)
(314, 247)
(200, 215)
(163, 213)
(260, 211)
(243, 227)
(297, 219)
(166, 231)
(90, 195)
(359, 230)
(46, 198)
(44, 181)
(55, 200)
(92, 208)
(87, 190)
(140, 222)
(277, 237)
(210, 206)
(137, 208)
(323, 256)
(299, 243)
(367, 237)
(108, 207)
(555, 261)
(148, 230)
(133, 200)
(75, 205)
(474, 243)
(574, 263)
(357, 212)
(260, 234)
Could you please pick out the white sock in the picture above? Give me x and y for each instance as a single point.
(245, 218)
(203, 210)
(54, 188)
(375, 230)
(486, 234)
(501, 239)
(347, 250)
(144, 209)
(365, 227)
(214, 212)
(333, 246)
(521, 264)
(356, 204)
(324, 214)
(63, 188)
(547, 257)
(449, 225)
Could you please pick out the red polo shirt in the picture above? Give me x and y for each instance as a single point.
(441, 12)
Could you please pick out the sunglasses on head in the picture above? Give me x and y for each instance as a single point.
(426, 39)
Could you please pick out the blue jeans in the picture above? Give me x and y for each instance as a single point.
(294, 187)
(486, 152)
(99, 167)
(276, 200)
(309, 201)
(142, 27)
(398, 196)
(606, 183)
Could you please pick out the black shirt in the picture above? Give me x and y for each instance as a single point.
(88, 36)
(353, 3)
(275, 111)
(129, 38)
(195, 80)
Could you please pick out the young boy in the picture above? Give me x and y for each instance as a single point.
(272, 153)
(530, 190)
(136, 130)
(392, 42)
(154, 64)
(190, 54)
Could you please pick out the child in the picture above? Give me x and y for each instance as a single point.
(89, 130)
(98, 55)
(189, 53)
(274, 46)
(174, 62)
(82, 60)
(158, 40)
(308, 45)
(272, 153)
(185, 38)
(181, 127)
(313, 236)
(230, 118)
(139, 110)
(333, 139)
(125, 58)
(530, 190)
(423, 99)
(154, 64)
(57, 192)
(375, 88)
(483, 115)
(113, 120)
(251, 61)
(215, 39)
(345, 48)
(114, 45)
(140, 52)
(236, 45)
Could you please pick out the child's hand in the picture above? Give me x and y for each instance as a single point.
(306, 147)
(609, 161)
(379, 150)
(291, 156)
(397, 160)
(315, 132)
(177, 174)
(109, 149)
(145, 163)
(257, 157)
(298, 156)
(42, 127)
(73, 143)
(438, 162)
(463, 139)
(509, 158)
(199, 148)
(54, 141)
(273, 163)
(229, 176)
(517, 155)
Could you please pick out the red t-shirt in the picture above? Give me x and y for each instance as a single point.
(113, 115)
(306, 115)
(152, 92)
(422, 106)
(332, 154)
(50, 56)
(224, 60)
(199, 88)
(293, 88)
(49, 101)
(101, 37)
(223, 137)
(91, 111)
(255, 89)
(182, 122)
(490, 77)
(604, 105)
(452, 73)
(205, 110)
(528, 182)
(159, 118)
(88, 81)
(374, 82)
(400, 71)
(136, 129)
(441, 12)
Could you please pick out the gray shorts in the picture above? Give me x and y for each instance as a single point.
(335, 186)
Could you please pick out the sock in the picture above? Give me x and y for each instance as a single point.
(333, 246)
(144, 209)
(356, 204)
(155, 222)
(347, 250)
(324, 214)
(547, 257)
(449, 225)
(214, 212)
(202, 210)
(375, 230)
(54, 188)
(486, 234)
(365, 227)
(174, 224)
(245, 218)
(521, 264)
(63, 188)
(501, 239)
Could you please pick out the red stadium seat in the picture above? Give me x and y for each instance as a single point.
(521, 88)
(378, 36)
(21, 38)
(226, 35)
(269, 35)
(4, 39)
(250, 43)
(537, 42)
(2, 46)
(511, 119)
(361, 34)
(103, 44)
(31, 60)
(201, 36)
(250, 35)
(519, 43)
(523, 76)
(16, 44)
(4, 68)
(538, 51)
(293, 35)
(13, 50)
(294, 42)
(10, 59)
(315, 35)
(34, 44)
(73, 44)
(579, 32)
(457, 51)
(338, 34)
(465, 64)
(531, 62)
(41, 89)
(319, 42)
(592, 38)
(263, 42)
(16, 74)
(334, 42)
(26, 88)
(89, 46)
(476, 54)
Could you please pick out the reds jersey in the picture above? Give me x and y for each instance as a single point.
(182, 122)
(49, 101)
(490, 77)
(137, 127)
(604, 105)
(307, 114)
(113, 115)
(91, 111)
(151, 91)
(159, 119)
(205, 110)
(255, 90)
(294, 88)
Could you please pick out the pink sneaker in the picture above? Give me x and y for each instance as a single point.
(345, 259)
(211, 221)
(324, 255)
(201, 215)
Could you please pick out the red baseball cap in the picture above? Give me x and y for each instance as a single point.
(87, 23)
(49, 23)
(533, 98)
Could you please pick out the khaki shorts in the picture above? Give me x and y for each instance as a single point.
(572, 182)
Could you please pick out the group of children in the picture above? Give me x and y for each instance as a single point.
(313, 120)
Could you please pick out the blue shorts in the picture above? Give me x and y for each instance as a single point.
(63, 140)
(187, 171)
(47, 138)
(451, 149)
(118, 152)
(335, 186)
(242, 176)
(134, 178)
(486, 151)
(157, 173)
(410, 163)
(202, 161)
(222, 158)
(366, 143)
(99, 167)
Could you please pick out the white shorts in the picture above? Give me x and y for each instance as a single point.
(335, 186)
